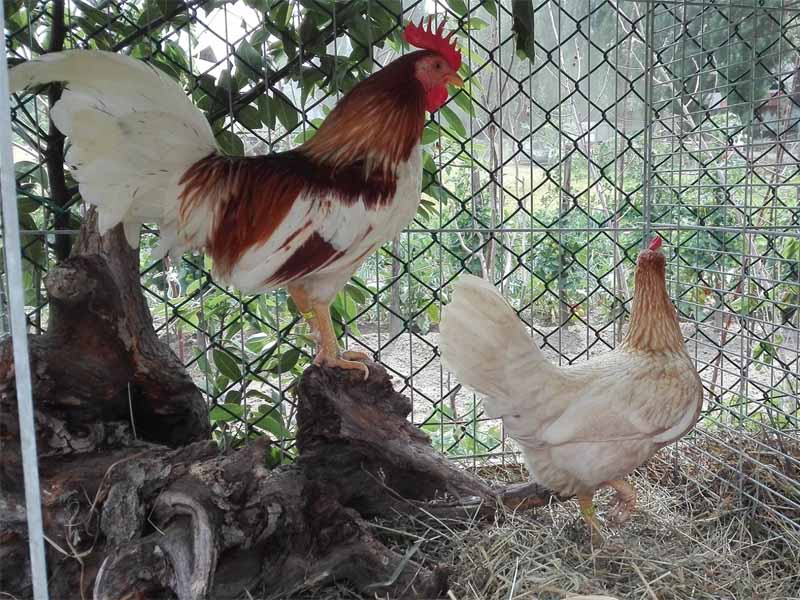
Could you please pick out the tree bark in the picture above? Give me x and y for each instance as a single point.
(148, 522)
(139, 504)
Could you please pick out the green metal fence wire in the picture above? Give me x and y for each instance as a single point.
(584, 128)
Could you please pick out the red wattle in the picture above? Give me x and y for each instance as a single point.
(435, 98)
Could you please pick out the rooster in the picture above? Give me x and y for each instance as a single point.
(303, 219)
(585, 426)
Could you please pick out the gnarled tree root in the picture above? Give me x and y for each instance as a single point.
(166, 514)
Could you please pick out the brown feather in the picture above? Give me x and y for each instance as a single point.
(654, 322)
(354, 155)
(314, 253)
(378, 122)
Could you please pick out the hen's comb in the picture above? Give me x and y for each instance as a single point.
(655, 243)
(428, 39)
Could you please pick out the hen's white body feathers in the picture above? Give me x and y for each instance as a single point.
(579, 426)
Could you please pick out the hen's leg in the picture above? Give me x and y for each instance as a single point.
(625, 500)
(588, 514)
(318, 315)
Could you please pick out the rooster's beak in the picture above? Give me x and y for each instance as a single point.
(454, 80)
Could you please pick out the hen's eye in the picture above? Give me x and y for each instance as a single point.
(438, 65)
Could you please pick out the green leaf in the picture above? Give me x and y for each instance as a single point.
(249, 61)
(458, 6)
(249, 117)
(27, 205)
(523, 29)
(226, 364)
(177, 55)
(285, 111)
(431, 133)
(258, 394)
(230, 143)
(224, 413)
(281, 14)
(475, 24)
(257, 341)
(304, 136)
(226, 82)
(168, 68)
(355, 293)
(454, 121)
(360, 31)
(265, 111)
(233, 397)
(33, 248)
(464, 102)
(434, 313)
(287, 360)
(10, 7)
(490, 6)
(150, 12)
(272, 423)
(95, 16)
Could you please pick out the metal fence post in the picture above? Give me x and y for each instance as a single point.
(19, 334)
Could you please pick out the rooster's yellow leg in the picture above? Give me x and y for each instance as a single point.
(625, 500)
(328, 353)
(318, 315)
(588, 514)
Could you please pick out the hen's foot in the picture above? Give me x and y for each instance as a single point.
(624, 501)
(589, 515)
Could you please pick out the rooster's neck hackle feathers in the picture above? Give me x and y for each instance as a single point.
(378, 123)
(654, 323)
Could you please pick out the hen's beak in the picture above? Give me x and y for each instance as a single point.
(454, 80)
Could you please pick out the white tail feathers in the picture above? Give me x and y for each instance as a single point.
(485, 344)
(132, 131)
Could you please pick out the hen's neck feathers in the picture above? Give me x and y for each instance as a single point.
(378, 122)
(654, 323)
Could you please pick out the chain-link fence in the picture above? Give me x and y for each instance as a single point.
(583, 128)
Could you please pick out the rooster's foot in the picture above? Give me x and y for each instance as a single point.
(624, 502)
(325, 360)
(357, 356)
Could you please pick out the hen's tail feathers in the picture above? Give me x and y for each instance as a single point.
(132, 132)
(485, 344)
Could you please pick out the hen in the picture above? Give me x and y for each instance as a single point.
(303, 219)
(585, 426)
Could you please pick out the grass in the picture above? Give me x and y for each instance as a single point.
(708, 526)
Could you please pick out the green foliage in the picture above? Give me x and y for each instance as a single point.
(511, 189)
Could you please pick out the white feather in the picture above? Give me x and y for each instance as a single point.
(353, 229)
(133, 133)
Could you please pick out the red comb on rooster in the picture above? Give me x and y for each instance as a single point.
(419, 37)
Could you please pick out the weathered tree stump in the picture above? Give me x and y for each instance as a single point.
(165, 513)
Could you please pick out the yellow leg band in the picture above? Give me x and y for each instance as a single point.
(308, 315)
(588, 511)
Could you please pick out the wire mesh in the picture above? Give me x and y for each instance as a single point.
(583, 127)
